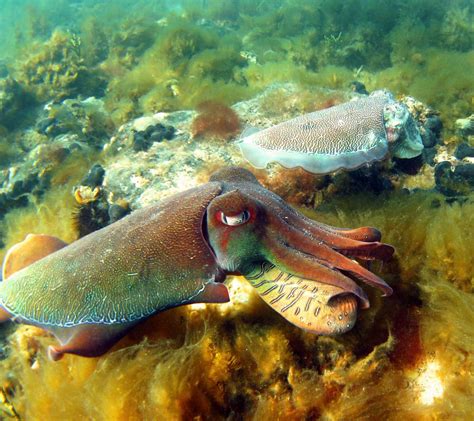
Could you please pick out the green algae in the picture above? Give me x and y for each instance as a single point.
(404, 344)
(152, 59)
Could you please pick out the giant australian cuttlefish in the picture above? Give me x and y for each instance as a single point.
(88, 294)
(346, 136)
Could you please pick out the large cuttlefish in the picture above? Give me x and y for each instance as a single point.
(346, 136)
(90, 293)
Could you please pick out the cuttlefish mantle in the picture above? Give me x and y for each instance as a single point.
(346, 136)
(88, 294)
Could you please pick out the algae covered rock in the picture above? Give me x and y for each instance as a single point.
(455, 179)
(57, 70)
(12, 100)
(45, 165)
(87, 119)
(465, 127)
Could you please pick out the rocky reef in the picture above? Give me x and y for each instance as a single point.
(403, 354)
(116, 111)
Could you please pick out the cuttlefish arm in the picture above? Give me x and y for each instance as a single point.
(247, 224)
(91, 292)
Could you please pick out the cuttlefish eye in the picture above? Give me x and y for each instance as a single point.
(233, 220)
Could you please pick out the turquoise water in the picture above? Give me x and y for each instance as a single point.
(109, 106)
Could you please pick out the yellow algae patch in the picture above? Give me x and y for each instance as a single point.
(50, 215)
(410, 356)
(428, 233)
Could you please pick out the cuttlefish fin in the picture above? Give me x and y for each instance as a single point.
(87, 340)
(93, 340)
(313, 306)
(34, 247)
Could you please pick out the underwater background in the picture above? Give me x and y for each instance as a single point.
(108, 106)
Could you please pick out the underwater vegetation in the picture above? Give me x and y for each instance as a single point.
(160, 59)
(58, 71)
(106, 107)
(215, 120)
(422, 339)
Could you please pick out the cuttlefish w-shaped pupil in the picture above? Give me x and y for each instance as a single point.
(234, 220)
(179, 251)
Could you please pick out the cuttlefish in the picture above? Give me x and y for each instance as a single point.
(89, 293)
(346, 136)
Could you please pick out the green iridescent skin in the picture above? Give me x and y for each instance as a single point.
(122, 273)
(89, 293)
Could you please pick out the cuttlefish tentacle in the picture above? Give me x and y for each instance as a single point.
(362, 242)
(295, 262)
(329, 257)
(178, 252)
(317, 308)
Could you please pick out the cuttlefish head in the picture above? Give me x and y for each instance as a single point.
(251, 230)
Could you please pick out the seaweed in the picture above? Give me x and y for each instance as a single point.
(57, 70)
(215, 120)
(419, 338)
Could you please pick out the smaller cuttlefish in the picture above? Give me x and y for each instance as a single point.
(88, 294)
(346, 136)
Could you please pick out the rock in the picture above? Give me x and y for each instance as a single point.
(358, 87)
(117, 212)
(428, 120)
(465, 126)
(94, 177)
(46, 126)
(87, 119)
(431, 131)
(464, 151)
(141, 124)
(32, 176)
(142, 140)
(409, 166)
(429, 156)
(454, 180)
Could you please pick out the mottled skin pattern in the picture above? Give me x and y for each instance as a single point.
(88, 294)
(346, 136)
(330, 131)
